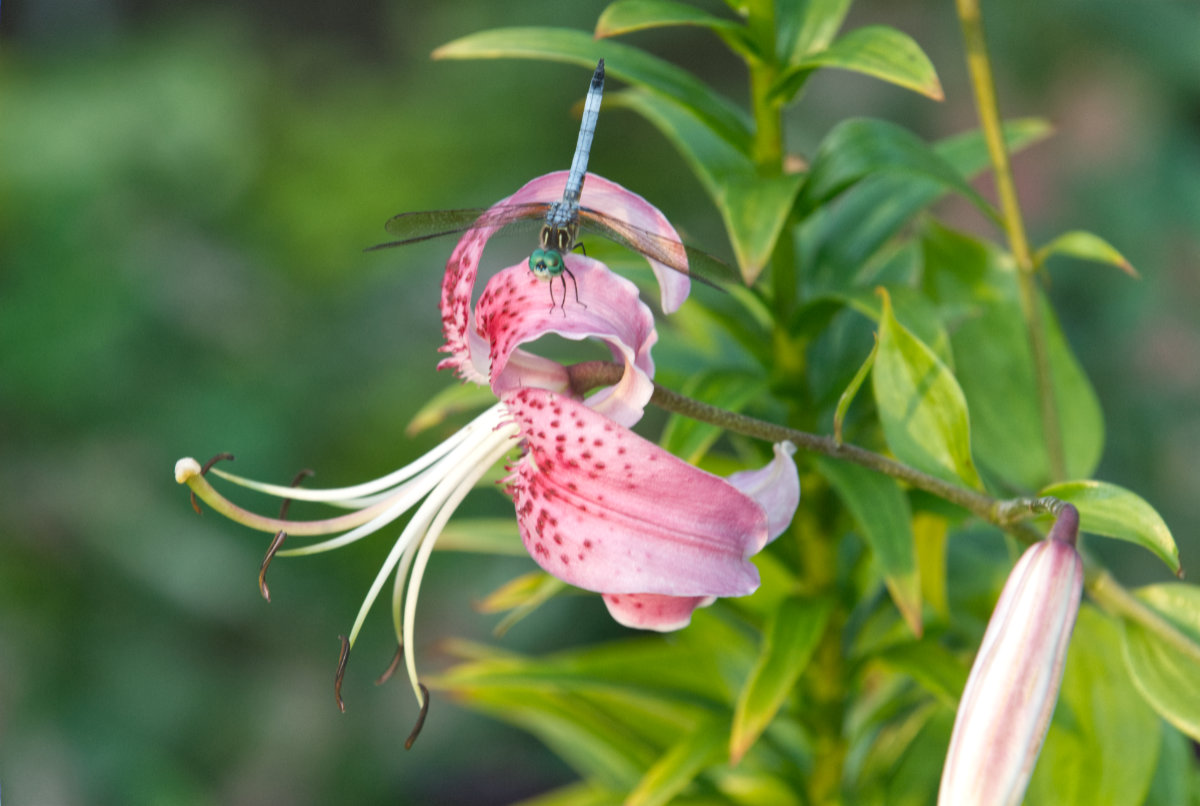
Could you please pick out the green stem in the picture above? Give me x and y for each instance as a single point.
(989, 118)
(1117, 600)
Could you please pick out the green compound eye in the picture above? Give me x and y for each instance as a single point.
(546, 263)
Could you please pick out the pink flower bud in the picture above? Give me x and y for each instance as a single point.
(1013, 687)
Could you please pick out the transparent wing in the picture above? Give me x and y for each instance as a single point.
(671, 253)
(421, 226)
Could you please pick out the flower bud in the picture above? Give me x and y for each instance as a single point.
(1013, 687)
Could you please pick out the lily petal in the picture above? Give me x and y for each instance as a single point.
(776, 488)
(652, 611)
(515, 308)
(605, 510)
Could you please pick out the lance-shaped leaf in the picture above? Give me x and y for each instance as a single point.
(807, 26)
(1113, 511)
(701, 747)
(1167, 675)
(860, 148)
(754, 208)
(1013, 686)
(626, 16)
(789, 640)
(882, 513)
(877, 51)
(921, 406)
(622, 62)
(1085, 246)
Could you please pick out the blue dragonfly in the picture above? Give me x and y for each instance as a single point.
(562, 220)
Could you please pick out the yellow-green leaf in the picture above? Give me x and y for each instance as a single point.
(877, 51)
(1167, 677)
(1085, 246)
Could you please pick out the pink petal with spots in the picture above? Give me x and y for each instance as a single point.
(650, 611)
(775, 487)
(606, 510)
(467, 356)
(516, 308)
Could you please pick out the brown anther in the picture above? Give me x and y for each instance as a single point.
(262, 569)
(287, 502)
(391, 669)
(341, 672)
(412, 737)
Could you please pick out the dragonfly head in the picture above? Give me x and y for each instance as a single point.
(546, 264)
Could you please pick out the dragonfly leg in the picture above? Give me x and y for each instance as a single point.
(573, 283)
(553, 301)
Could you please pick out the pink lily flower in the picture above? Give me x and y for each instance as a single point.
(597, 505)
(1013, 687)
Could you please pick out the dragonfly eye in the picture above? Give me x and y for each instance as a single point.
(546, 264)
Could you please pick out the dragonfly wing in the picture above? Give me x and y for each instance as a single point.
(671, 253)
(426, 224)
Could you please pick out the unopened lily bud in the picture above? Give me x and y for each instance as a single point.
(1013, 687)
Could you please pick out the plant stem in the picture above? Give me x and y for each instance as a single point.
(1117, 600)
(1004, 514)
(989, 118)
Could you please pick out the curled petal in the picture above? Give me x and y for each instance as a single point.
(516, 307)
(606, 510)
(776, 488)
(1013, 686)
(653, 611)
(468, 351)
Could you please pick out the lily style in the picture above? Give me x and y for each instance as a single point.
(597, 505)
(1013, 687)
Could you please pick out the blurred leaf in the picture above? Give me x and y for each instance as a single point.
(521, 596)
(754, 208)
(882, 513)
(804, 26)
(482, 535)
(1175, 780)
(868, 216)
(699, 748)
(972, 281)
(625, 16)
(584, 793)
(620, 61)
(731, 390)
(929, 537)
(1112, 511)
(931, 665)
(875, 50)
(856, 149)
(921, 406)
(789, 640)
(1102, 746)
(1085, 246)
(847, 397)
(455, 399)
(1168, 678)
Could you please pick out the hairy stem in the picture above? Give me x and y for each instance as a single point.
(989, 120)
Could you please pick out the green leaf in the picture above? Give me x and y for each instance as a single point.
(921, 406)
(521, 596)
(931, 665)
(620, 61)
(753, 208)
(729, 389)
(804, 26)
(1175, 780)
(866, 219)
(1085, 246)
(929, 535)
(1112, 511)
(856, 149)
(456, 399)
(847, 397)
(583, 793)
(882, 513)
(1102, 746)
(877, 51)
(975, 284)
(626, 16)
(483, 536)
(698, 749)
(1168, 678)
(789, 640)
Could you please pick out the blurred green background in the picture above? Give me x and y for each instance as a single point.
(185, 190)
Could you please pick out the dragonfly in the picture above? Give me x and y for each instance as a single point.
(562, 221)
